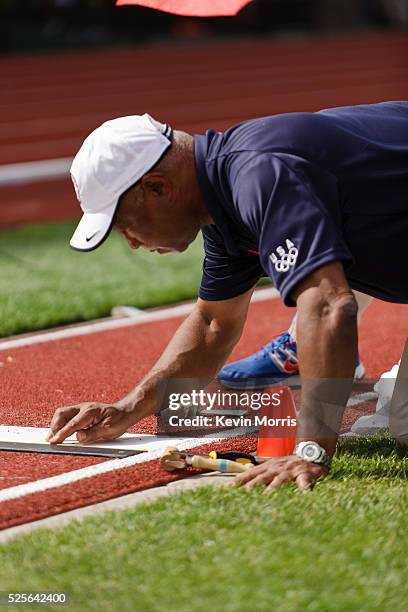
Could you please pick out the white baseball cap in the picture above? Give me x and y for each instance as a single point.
(111, 160)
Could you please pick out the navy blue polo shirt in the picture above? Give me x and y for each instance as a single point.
(290, 193)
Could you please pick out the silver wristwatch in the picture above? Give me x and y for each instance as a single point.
(313, 452)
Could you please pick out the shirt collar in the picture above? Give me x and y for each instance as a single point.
(208, 186)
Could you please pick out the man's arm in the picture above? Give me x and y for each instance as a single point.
(198, 349)
(327, 349)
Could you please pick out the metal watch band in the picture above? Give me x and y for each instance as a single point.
(322, 458)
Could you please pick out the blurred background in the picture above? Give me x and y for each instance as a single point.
(68, 65)
(52, 24)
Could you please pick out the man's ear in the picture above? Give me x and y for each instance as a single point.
(156, 183)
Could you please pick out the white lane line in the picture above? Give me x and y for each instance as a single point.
(360, 398)
(146, 317)
(45, 484)
(30, 172)
(123, 502)
(106, 325)
(60, 480)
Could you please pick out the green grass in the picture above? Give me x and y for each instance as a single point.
(340, 548)
(45, 283)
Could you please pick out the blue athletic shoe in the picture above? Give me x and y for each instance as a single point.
(274, 364)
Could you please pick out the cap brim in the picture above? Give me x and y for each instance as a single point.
(92, 230)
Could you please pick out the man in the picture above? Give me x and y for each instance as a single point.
(317, 201)
(277, 362)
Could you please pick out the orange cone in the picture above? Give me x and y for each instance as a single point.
(277, 437)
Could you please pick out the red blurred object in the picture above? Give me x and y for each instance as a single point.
(280, 440)
(192, 8)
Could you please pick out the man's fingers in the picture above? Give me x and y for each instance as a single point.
(304, 481)
(100, 431)
(91, 421)
(275, 473)
(113, 424)
(255, 481)
(263, 478)
(61, 417)
(248, 475)
(278, 481)
(82, 420)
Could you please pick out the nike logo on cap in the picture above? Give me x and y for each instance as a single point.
(88, 238)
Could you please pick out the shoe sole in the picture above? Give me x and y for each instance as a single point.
(258, 383)
(290, 381)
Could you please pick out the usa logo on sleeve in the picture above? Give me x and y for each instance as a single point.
(283, 260)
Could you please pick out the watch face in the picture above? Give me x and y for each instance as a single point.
(311, 452)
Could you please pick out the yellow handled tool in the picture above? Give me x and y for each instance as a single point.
(174, 459)
(217, 465)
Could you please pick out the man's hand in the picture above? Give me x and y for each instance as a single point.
(276, 472)
(90, 421)
(197, 350)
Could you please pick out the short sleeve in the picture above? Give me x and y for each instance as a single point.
(225, 276)
(297, 209)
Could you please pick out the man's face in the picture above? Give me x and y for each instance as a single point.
(151, 215)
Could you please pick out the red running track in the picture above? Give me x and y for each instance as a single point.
(103, 366)
(50, 103)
